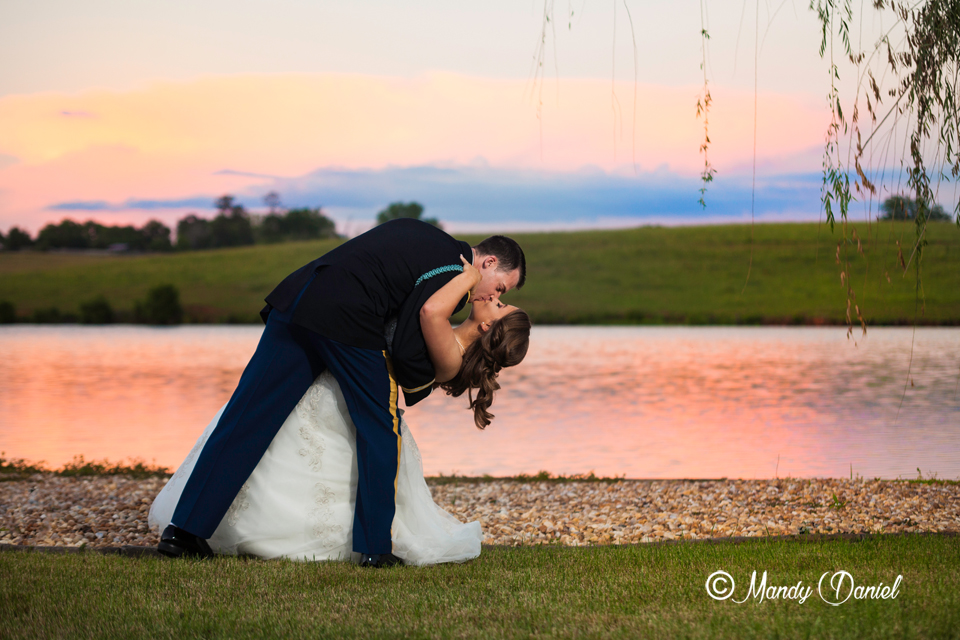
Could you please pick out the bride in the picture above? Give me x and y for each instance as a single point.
(299, 501)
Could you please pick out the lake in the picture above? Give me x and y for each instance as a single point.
(644, 402)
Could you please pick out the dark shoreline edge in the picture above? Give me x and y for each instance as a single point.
(35, 473)
(652, 320)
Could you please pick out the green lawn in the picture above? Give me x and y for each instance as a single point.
(678, 275)
(646, 591)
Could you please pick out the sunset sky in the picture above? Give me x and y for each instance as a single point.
(125, 111)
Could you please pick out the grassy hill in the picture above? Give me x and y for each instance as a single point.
(678, 275)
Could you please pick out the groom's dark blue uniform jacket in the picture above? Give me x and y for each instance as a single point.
(371, 281)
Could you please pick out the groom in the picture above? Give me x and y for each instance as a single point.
(356, 312)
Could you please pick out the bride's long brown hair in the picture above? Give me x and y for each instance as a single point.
(503, 345)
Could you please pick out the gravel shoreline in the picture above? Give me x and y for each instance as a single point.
(107, 511)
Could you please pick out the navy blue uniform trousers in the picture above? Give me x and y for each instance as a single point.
(287, 361)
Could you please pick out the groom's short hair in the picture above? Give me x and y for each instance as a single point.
(508, 253)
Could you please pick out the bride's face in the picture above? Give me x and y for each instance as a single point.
(485, 312)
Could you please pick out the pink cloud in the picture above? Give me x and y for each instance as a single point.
(168, 140)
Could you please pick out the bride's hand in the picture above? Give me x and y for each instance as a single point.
(471, 272)
(435, 315)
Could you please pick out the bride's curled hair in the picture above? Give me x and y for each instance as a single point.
(503, 345)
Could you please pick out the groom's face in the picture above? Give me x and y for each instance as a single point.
(494, 282)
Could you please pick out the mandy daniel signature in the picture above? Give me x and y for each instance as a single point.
(835, 590)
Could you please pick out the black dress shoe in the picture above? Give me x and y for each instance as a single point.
(177, 543)
(380, 561)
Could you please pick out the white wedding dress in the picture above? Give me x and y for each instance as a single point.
(298, 503)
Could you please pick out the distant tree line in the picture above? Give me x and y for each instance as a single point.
(905, 208)
(153, 236)
(160, 307)
(233, 226)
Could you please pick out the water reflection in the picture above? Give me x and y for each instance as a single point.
(644, 402)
